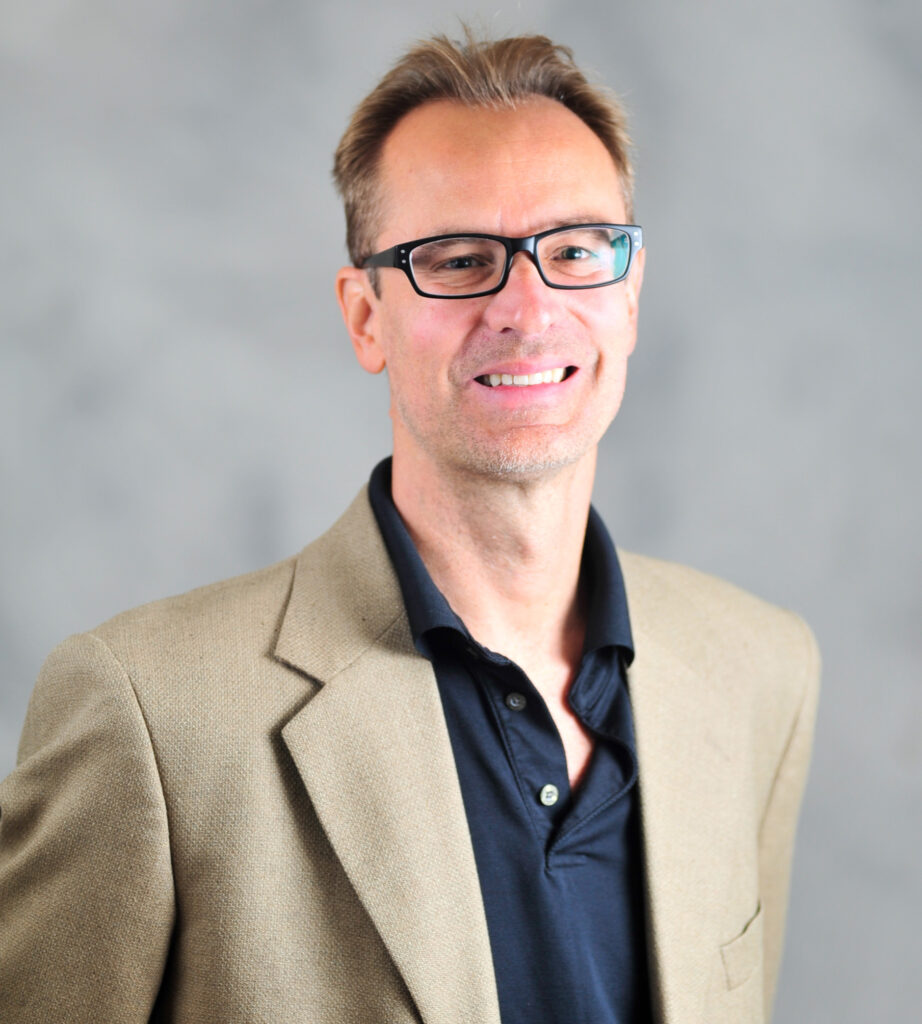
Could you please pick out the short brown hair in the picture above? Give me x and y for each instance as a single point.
(488, 73)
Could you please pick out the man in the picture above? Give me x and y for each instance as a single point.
(439, 766)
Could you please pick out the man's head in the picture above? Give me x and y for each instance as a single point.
(518, 168)
(478, 73)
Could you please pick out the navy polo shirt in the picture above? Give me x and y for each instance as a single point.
(560, 871)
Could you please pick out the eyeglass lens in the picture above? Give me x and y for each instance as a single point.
(571, 257)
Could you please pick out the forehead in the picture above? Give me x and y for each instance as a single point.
(450, 167)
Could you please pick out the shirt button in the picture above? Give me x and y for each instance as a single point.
(515, 701)
(548, 795)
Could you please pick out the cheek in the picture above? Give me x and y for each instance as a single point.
(421, 339)
(618, 335)
(413, 364)
(615, 333)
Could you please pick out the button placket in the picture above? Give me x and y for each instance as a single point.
(529, 737)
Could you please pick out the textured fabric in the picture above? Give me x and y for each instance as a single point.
(561, 883)
(240, 805)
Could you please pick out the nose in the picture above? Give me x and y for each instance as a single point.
(525, 303)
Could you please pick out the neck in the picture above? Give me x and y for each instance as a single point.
(505, 552)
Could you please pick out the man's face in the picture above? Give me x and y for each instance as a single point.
(447, 168)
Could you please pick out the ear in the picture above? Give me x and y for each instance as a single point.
(359, 306)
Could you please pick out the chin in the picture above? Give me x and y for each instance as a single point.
(518, 463)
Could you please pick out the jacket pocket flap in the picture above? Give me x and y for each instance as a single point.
(741, 955)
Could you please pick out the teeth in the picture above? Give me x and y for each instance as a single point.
(522, 380)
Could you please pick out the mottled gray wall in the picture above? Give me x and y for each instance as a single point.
(179, 401)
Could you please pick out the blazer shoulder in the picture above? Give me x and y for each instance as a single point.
(234, 635)
(708, 619)
(204, 613)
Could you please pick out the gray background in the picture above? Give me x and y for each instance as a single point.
(179, 401)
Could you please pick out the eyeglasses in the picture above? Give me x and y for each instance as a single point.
(466, 266)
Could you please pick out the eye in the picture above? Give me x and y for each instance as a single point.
(460, 263)
(455, 256)
(457, 264)
(574, 252)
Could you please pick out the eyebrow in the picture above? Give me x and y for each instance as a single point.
(548, 226)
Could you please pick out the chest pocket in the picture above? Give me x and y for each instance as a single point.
(742, 955)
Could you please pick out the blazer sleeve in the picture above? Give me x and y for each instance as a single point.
(779, 820)
(86, 890)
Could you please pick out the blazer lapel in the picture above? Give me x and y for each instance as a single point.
(373, 750)
(685, 768)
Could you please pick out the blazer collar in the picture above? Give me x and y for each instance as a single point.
(372, 748)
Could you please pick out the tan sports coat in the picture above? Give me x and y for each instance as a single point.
(240, 805)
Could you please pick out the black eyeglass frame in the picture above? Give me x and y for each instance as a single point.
(398, 256)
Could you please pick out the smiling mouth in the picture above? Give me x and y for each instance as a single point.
(524, 380)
